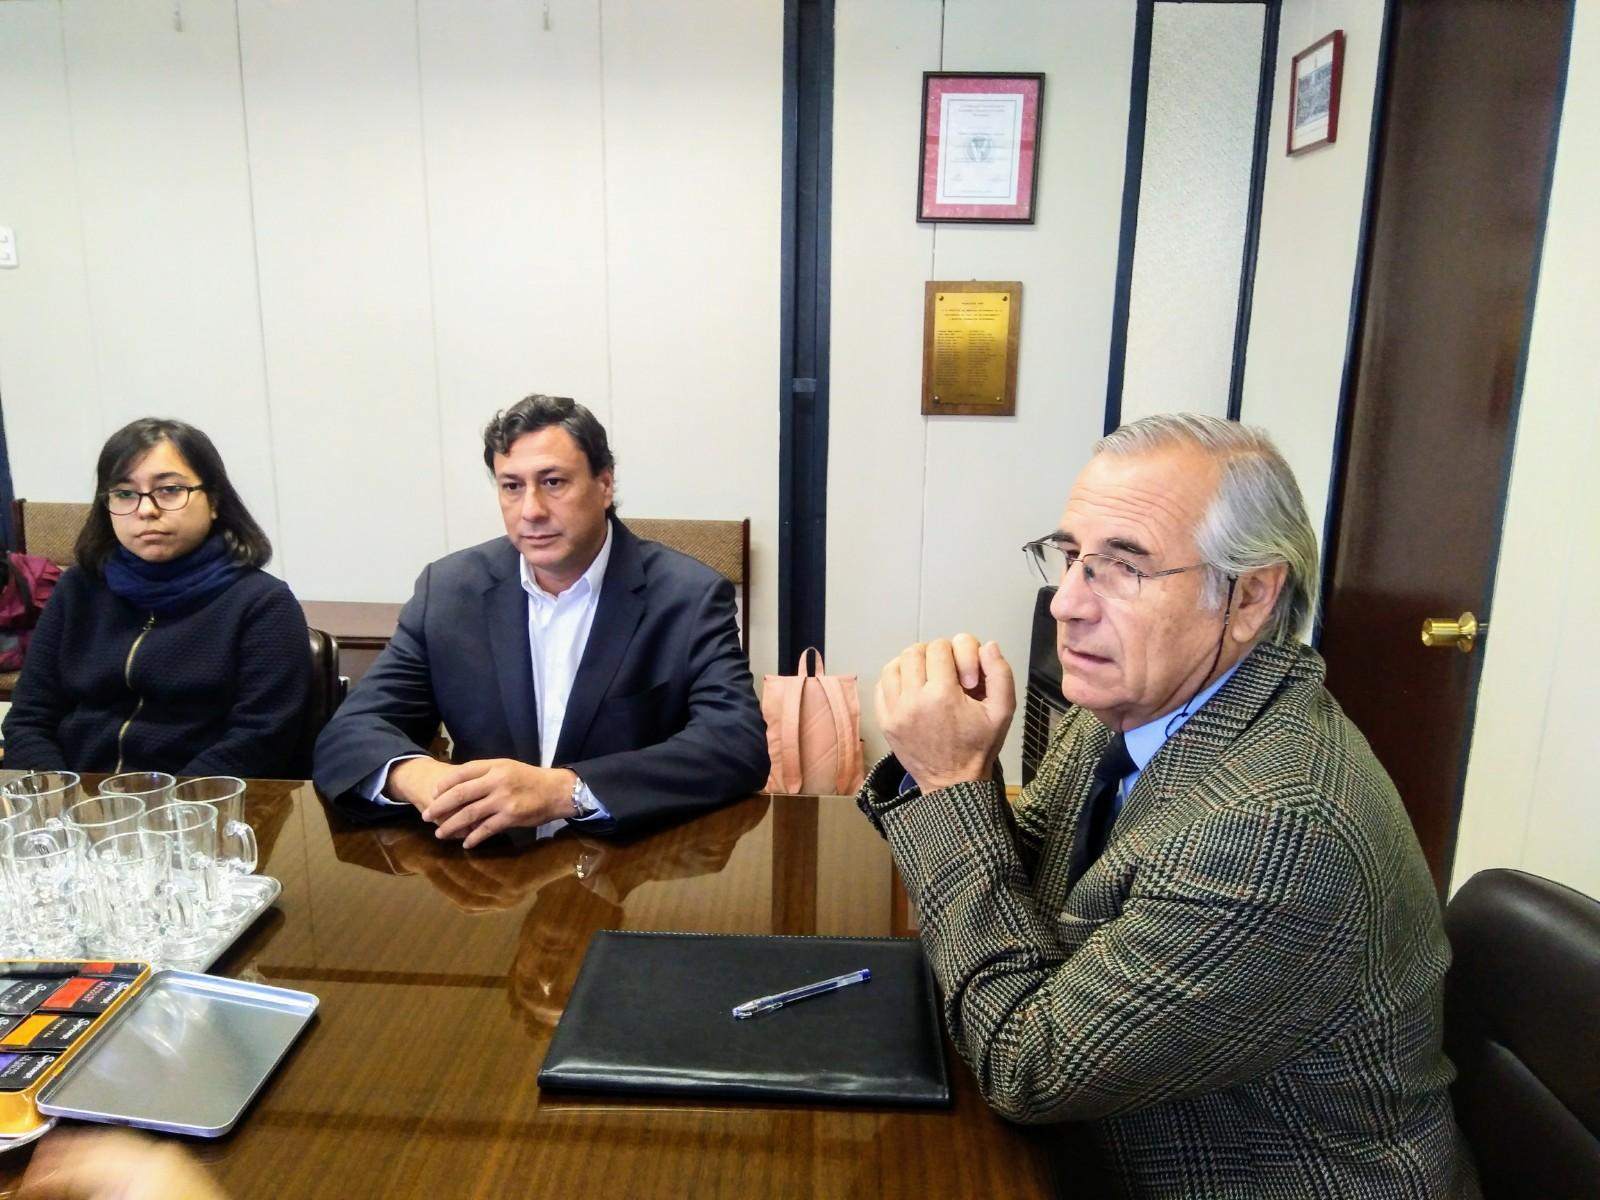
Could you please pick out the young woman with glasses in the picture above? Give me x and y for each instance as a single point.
(167, 647)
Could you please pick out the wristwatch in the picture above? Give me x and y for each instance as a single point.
(583, 802)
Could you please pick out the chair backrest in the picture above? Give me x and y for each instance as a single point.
(724, 546)
(1522, 1025)
(326, 694)
(1042, 705)
(47, 527)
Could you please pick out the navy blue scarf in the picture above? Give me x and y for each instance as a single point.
(171, 589)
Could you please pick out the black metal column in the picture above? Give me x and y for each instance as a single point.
(1133, 172)
(803, 367)
(1252, 222)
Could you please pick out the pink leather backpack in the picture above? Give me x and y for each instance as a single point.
(813, 730)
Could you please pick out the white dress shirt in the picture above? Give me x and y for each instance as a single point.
(558, 632)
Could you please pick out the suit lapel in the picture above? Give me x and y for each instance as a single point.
(505, 614)
(622, 605)
(1066, 826)
(1191, 753)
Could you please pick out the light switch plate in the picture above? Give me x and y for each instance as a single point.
(8, 247)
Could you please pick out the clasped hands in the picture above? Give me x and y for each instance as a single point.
(478, 799)
(944, 708)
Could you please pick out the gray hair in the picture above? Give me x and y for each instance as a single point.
(1256, 519)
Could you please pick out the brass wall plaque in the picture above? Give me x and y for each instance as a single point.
(969, 348)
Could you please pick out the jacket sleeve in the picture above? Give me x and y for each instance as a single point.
(390, 714)
(718, 756)
(1245, 923)
(32, 726)
(264, 724)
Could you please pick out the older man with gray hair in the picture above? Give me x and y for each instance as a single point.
(1205, 930)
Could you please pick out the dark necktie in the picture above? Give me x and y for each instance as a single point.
(1113, 766)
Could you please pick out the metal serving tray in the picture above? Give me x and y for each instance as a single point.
(187, 1055)
(263, 890)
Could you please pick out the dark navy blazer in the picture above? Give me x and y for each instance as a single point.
(662, 721)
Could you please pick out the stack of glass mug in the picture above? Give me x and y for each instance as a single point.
(145, 868)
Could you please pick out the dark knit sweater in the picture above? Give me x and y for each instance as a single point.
(218, 691)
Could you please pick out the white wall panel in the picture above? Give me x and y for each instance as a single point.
(877, 441)
(1199, 144)
(994, 483)
(165, 193)
(965, 491)
(513, 137)
(332, 105)
(1530, 800)
(339, 236)
(48, 378)
(1563, 826)
(1305, 268)
(693, 188)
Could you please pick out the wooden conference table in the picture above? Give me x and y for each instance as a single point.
(441, 975)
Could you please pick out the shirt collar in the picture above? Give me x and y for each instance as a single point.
(1144, 741)
(588, 583)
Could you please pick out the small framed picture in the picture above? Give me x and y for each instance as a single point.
(980, 147)
(1314, 81)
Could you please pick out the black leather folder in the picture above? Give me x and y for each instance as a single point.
(653, 1012)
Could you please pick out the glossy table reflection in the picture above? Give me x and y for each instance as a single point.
(443, 973)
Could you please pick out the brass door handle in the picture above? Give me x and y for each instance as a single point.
(1460, 633)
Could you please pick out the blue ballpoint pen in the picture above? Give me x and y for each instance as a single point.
(763, 1004)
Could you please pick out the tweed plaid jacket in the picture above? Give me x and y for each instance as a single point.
(1241, 997)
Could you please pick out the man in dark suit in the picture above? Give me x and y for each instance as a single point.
(1205, 931)
(582, 673)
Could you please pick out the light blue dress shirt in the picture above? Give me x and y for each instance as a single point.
(1145, 741)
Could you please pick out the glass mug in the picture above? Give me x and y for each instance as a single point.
(184, 839)
(153, 787)
(15, 939)
(130, 877)
(50, 793)
(19, 807)
(107, 814)
(55, 900)
(99, 818)
(238, 852)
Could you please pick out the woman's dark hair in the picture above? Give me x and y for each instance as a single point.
(536, 412)
(247, 544)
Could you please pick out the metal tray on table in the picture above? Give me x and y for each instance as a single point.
(186, 1056)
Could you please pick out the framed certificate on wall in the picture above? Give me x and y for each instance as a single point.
(979, 157)
(1315, 78)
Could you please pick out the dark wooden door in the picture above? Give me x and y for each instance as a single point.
(1468, 116)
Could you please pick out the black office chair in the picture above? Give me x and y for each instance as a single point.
(1522, 1025)
(1042, 704)
(327, 692)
